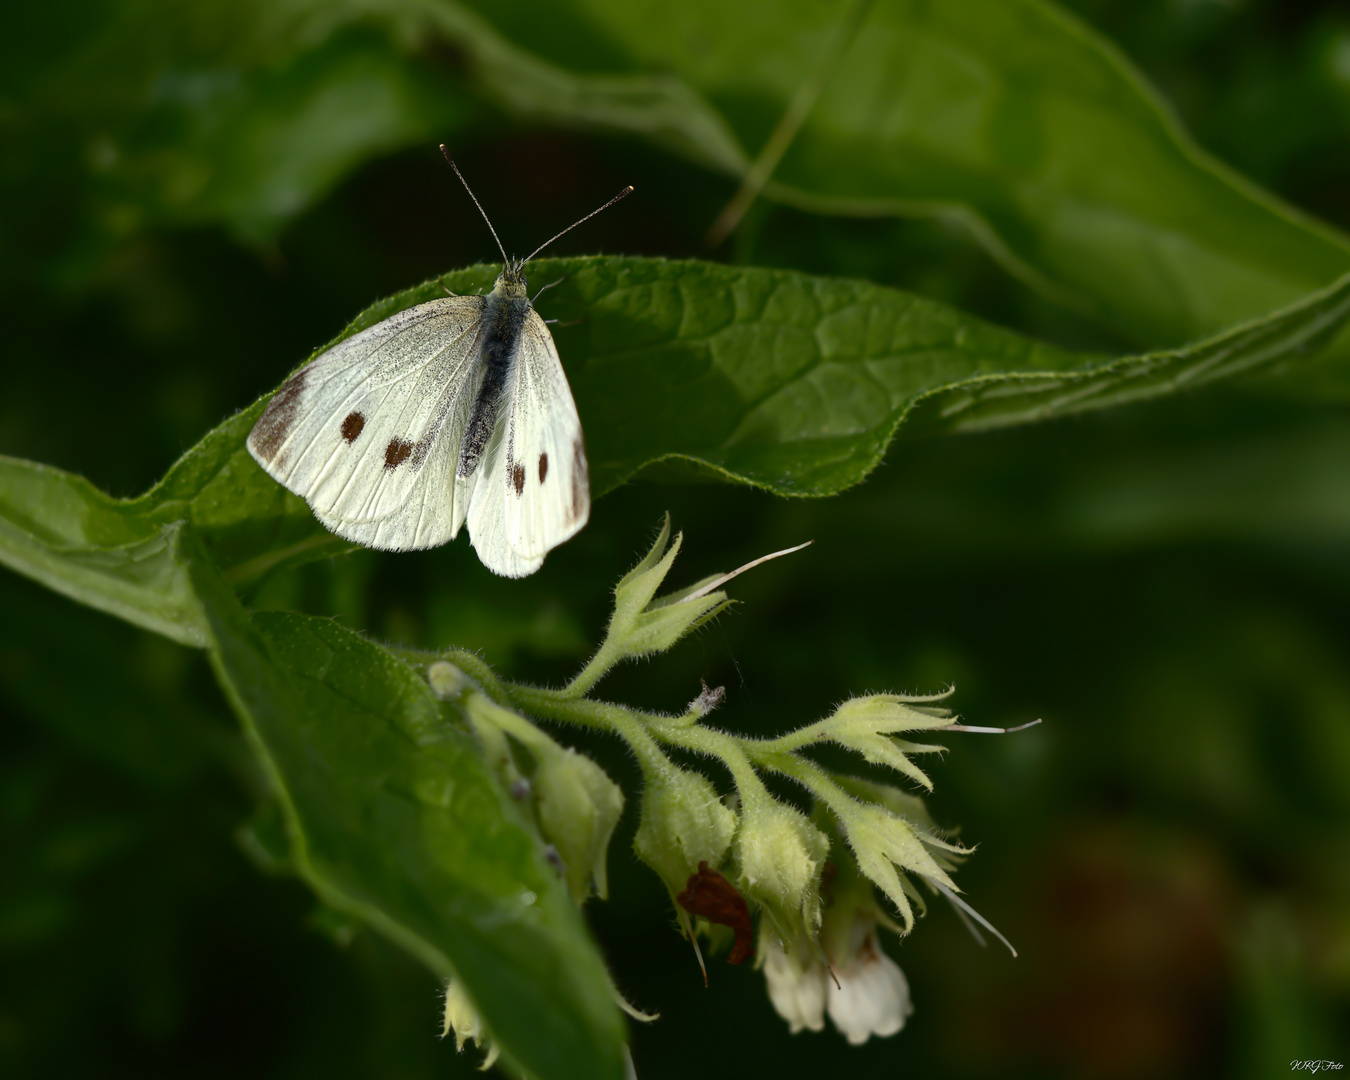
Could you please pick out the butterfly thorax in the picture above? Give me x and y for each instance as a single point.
(505, 310)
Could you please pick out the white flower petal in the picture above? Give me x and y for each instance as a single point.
(872, 997)
(796, 987)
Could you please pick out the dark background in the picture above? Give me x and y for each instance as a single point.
(1165, 585)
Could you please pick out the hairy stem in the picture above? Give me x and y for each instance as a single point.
(710, 742)
(596, 669)
(559, 705)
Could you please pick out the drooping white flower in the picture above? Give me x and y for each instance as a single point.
(796, 981)
(844, 973)
(872, 995)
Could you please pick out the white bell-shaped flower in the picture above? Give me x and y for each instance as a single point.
(796, 981)
(872, 995)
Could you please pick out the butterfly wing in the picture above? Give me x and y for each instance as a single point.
(435, 507)
(532, 490)
(365, 431)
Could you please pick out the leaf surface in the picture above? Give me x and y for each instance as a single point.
(394, 818)
(1008, 118)
(793, 383)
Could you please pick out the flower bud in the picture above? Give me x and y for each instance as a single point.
(579, 805)
(642, 625)
(683, 824)
(462, 1018)
(882, 840)
(780, 855)
(865, 725)
(446, 680)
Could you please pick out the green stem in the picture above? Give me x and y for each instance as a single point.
(767, 754)
(476, 668)
(595, 670)
(781, 138)
(718, 744)
(795, 740)
(557, 705)
(513, 724)
(811, 776)
(638, 728)
(642, 730)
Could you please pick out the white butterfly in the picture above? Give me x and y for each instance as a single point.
(451, 411)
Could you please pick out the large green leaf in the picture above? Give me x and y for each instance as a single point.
(793, 383)
(123, 556)
(799, 384)
(63, 532)
(394, 818)
(239, 113)
(1007, 116)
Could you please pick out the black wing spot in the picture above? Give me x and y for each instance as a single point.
(518, 478)
(351, 427)
(276, 421)
(396, 453)
(543, 467)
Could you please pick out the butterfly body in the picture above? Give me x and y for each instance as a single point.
(505, 311)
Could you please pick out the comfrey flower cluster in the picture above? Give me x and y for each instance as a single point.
(748, 873)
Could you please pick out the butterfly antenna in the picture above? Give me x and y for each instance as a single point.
(626, 191)
(505, 260)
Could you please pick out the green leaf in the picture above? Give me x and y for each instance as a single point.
(60, 530)
(249, 524)
(793, 383)
(1007, 117)
(283, 145)
(123, 556)
(394, 819)
(240, 113)
(799, 384)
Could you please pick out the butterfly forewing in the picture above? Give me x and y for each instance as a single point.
(434, 510)
(356, 431)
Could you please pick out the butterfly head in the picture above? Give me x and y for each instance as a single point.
(511, 282)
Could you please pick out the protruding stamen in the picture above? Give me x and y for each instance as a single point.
(693, 940)
(719, 582)
(963, 908)
(987, 730)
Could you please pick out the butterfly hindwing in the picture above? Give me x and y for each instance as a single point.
(533, 489)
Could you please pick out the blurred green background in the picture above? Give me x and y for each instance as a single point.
(194, 197)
